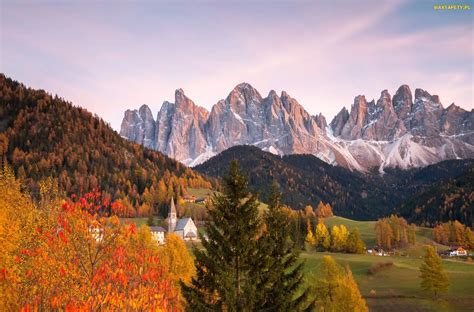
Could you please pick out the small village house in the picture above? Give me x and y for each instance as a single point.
(158, 234)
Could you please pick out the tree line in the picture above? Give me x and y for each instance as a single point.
(43, 135)
(394, 232)
(339, 239)
(454, 233)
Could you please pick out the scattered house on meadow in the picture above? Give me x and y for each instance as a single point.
(458, 252)
(158, 234)
(378, 252)
(200, 200)
(193, 199)
(184, 228)
(189, 198)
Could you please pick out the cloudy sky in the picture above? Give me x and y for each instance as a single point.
(108, 56)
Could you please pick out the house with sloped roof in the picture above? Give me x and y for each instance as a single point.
(158, 234)
(184, 228)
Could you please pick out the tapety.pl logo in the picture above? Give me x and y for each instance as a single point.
(452, 7)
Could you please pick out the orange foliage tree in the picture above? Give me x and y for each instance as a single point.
(82, 258)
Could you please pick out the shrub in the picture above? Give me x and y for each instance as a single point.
(377, 267)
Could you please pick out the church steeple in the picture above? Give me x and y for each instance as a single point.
(172, 217)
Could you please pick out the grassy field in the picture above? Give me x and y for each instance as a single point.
(397, 288)
(199, 192)
(367, 233)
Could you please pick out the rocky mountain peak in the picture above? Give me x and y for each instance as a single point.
(384, 133)
(402, 102)
(425, 96)
(145, 111)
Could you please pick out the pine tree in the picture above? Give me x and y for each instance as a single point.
(323, 239)
(282, 278)
(432, 276)
(228, 268)
(354, 243)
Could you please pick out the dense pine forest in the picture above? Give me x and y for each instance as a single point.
(45, 136)
(306, 180)
(447, 200)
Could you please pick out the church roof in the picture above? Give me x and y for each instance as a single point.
(157, 229)
(173, 207)
(182, 224)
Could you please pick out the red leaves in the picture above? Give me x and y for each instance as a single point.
(3, 274)
(73, 271)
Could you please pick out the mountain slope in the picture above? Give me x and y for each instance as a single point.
(43, 136)
(450, 199)
(305, 179)
(390, 132)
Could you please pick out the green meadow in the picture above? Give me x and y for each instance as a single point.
(397, 288)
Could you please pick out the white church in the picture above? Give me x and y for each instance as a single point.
(184, 228)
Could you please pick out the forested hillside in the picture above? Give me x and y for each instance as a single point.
(45, 136)
(447, 200)
(305, 179)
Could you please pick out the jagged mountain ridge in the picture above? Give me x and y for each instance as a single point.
(399, 132)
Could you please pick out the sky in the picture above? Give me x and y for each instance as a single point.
(109, 56)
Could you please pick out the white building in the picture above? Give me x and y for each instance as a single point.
(184, 228)
(158, 234)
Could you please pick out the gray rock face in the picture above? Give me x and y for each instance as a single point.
(139, 126)
(392, 132)
(180, 128)
(337, 124)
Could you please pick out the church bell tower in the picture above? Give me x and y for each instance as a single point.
(172, 217)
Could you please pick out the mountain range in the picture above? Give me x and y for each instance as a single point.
(400, 131)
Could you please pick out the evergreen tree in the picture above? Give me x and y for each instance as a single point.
(432, 276)
(323, 239)
(228, 267)
(283, 276)
(354, 243)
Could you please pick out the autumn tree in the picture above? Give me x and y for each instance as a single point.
(322, 236)
(453, 233)
(339, 235)
(177, 260)
(432, 275)
(323, 210)
(228, 266)
(76, 257)
(355, 243)
(336, 289)
(310, 239)
(394, 231)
